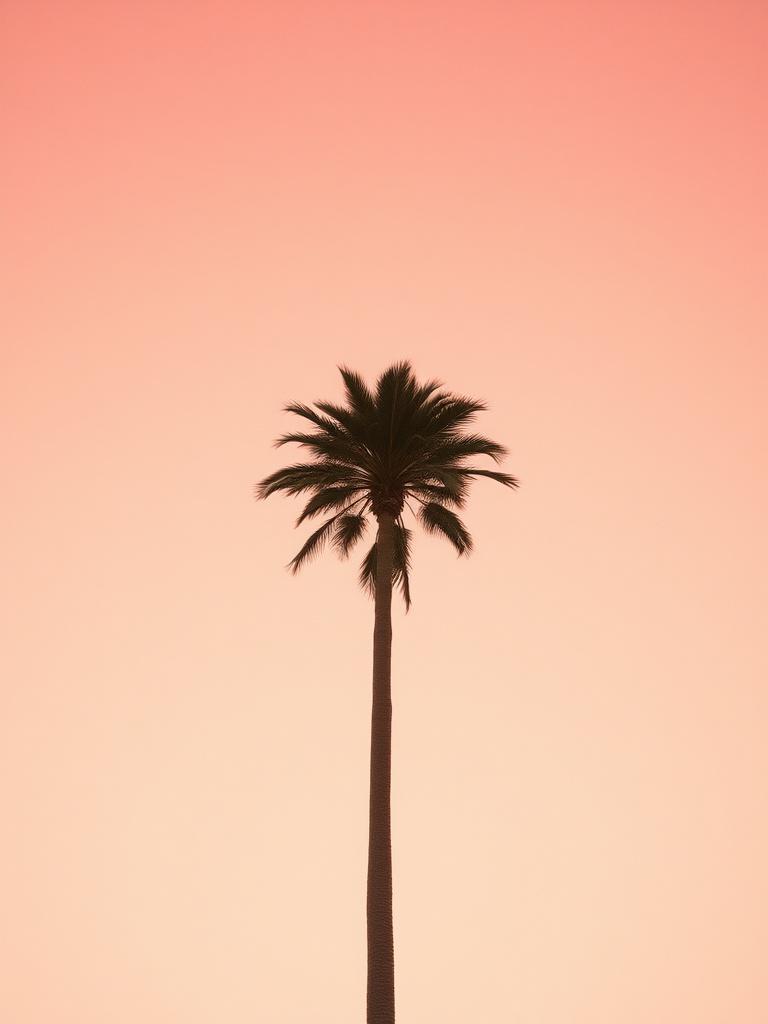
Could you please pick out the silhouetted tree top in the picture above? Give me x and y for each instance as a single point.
(401, 445)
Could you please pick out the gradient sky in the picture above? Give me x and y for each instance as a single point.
(559, 207)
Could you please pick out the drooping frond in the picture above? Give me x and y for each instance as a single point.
(440, 493)
(313, 545)
(349, 529)
(439, 519)
(367, 577)
(450, 479)
(303, 477)
(402, 561)
(401, 565)
(328, 498)
(502, 478)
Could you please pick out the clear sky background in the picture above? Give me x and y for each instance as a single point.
(559, 207)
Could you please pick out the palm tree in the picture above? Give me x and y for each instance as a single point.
(399, 445)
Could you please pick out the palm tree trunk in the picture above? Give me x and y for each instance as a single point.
(381, 963)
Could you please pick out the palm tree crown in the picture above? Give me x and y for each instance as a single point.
(401, 445)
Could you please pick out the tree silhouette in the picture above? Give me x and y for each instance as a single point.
(401, 445)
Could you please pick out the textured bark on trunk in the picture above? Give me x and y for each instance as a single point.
(381, 961)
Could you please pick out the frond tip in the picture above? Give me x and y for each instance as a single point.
(439, 519)
(402, 561)
(401, 564)
(313, 545)
(349, 529)
(502, 478)
(367, 577)
(327, 498)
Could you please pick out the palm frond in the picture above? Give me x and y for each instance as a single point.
(396, 379)
(308, 413)
(395, 390)
(340, 448)
(344, 417)
(503, 478)
(401, 564)
(312, 546)
(443, 495)
(358, 395)
(453, 448)
(357, 429)
(367, 576)
(450, 412)
(447, 477)
(304, 477)
(426, 390)
(439, 519)
(329, 497)
(349, 529)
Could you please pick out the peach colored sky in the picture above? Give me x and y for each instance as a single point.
(557, 206)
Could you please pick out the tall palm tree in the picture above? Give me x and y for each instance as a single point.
(401, 445)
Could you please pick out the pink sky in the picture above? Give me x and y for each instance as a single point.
(559, 207)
